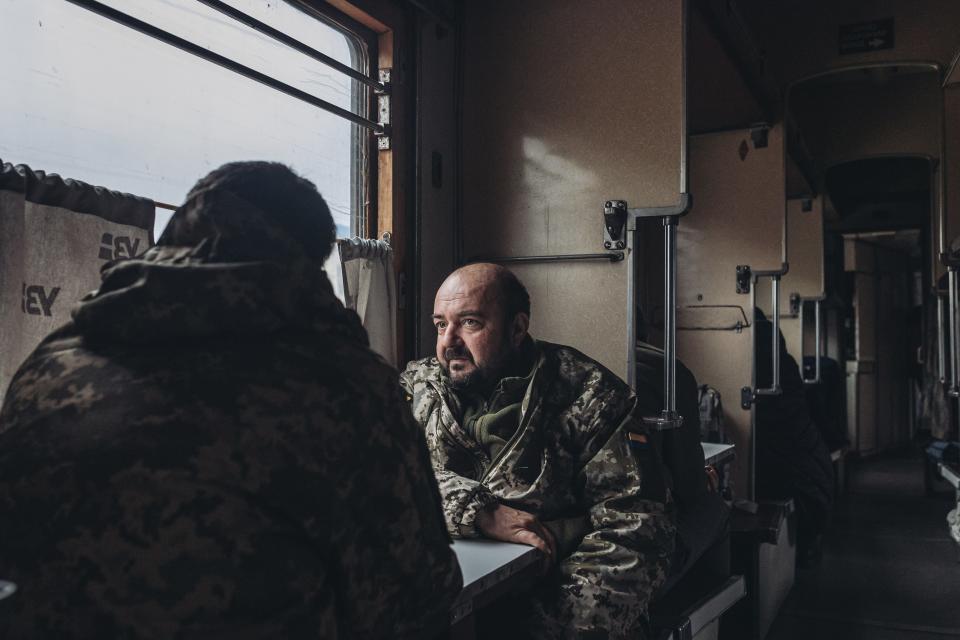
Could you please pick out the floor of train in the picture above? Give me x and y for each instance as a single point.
(889, 568)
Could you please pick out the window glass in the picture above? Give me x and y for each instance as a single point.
(96, 101)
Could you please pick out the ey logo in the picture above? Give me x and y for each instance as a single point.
(118, 247)
(37, 300)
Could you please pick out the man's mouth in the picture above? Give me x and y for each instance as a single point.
(457, 356)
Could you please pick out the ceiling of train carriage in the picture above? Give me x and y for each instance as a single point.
(744, 54)
(718, 93)
(801, 37)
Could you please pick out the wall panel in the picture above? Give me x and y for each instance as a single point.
(436, 151)
(737, 218)
(567, 104)
(806, 275)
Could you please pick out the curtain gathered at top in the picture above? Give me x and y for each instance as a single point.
(55, 235)
(362, 273)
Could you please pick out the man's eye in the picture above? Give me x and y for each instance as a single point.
(440, 326)
(470, 322)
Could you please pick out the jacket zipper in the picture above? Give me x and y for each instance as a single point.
(477, 465)
(521, 427)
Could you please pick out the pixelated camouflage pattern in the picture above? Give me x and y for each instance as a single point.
(569, 457)
(210, 450)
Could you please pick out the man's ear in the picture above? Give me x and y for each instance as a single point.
(519, 328)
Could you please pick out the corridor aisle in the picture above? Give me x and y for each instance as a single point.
(889, 569)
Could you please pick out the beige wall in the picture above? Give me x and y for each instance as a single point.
(806, 275)
(567, 104)
(437, 128)
(737, 218)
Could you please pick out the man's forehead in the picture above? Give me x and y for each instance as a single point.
(458, 291)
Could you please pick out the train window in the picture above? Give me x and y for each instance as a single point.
(93, 98)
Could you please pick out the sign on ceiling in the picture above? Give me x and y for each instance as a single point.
(863, 37)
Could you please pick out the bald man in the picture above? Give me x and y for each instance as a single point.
(536, 443)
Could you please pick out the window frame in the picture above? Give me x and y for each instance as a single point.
(363, 173)
(390, 208)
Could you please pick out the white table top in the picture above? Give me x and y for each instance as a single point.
(484, 565)
(714, 453)
(950, 474)
(481, 560)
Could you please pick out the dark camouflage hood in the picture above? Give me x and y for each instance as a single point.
(173, 293)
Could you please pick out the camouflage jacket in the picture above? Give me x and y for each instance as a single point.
(210, 450)
(570, 457)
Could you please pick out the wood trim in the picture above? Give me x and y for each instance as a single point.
(392, 169)
(359, 14)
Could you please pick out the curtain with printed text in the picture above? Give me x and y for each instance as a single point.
(55, 235)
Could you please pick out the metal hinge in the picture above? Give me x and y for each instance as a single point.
(795, 303)
(615, 214)
(744, 276)
(759, 135)
(747, 398)
(384, 111)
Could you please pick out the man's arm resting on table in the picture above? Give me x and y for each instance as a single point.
(463, 500)
(500, 522)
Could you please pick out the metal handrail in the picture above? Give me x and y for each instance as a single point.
(817, 378)
(749, 394)
(954, 388)
(615, 256)
(941, 343)
(774, 389)
(668, 418)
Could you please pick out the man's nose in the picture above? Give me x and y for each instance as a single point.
(451, 337)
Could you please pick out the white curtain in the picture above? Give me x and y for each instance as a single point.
(369, 288)
(55, 235)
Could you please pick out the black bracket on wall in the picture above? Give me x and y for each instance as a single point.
(744, 276)
(615, 213)
(747, 398)
(759, 135)
(795, 303)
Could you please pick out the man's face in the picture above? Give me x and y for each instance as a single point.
(474, 338)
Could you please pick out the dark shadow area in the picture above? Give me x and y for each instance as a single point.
(889, 567)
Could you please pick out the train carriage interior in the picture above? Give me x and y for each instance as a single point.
(746, 213)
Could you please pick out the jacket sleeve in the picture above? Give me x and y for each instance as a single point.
(607, 583)
(412, 576)
(462, 498)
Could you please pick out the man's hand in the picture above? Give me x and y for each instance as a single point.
(512, 525)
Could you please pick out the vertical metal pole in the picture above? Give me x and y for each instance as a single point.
(817, 337)
(803, 341)
(952, 292)
(775, 286)
(670, 313)
(632, 302)
(941, 342)
(752, 489)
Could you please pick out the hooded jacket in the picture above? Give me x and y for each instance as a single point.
(210, 450)
(570, 459)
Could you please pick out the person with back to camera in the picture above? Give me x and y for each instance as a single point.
(210, 449)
